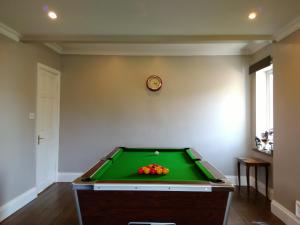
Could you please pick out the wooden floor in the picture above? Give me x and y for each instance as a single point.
(56, 206)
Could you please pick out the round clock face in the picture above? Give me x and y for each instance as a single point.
(154, 83)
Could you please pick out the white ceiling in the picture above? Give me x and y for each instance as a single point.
(148, 17)
(99, 21)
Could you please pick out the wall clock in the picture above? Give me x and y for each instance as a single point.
(154, 83)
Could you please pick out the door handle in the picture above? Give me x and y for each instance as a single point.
(39, 139)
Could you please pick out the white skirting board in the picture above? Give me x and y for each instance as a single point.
(17, 203)
(284, 214)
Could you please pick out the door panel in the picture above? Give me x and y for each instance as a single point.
(47, 127)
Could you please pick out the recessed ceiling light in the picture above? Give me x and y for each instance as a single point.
(52, 15)
(252, 16)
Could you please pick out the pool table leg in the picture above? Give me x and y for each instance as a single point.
(78, 208)
(227, 208)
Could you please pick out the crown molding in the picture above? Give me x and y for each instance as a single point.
(143, 39)
(200, 49)
(9, 32)
(55, 47)
(157, 49)
(252, 48)
(288, 29)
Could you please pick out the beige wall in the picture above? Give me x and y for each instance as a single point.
(203, 104)
(285, 177)
(286, 55)
(18, 66)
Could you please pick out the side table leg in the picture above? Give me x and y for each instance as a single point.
(267, 181)
(248, 181)
(256, 177)
(239, 174)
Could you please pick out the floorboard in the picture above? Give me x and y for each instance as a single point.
(56, 206)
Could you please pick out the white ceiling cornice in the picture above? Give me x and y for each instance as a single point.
(143, 39)
(252, 48)
(9, 32)
(154, 49)
(55, 47)
(287, 29)
(211, 48)
(154, 45)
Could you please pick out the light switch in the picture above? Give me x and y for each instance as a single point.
(31, 116)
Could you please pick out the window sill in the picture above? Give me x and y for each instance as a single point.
(263, 152)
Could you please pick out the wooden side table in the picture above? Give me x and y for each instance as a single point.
(248, 162)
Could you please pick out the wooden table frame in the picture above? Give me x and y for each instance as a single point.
(248, 162)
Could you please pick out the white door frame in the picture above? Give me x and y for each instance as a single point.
(40, 67)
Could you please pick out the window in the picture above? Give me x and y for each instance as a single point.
(264, 109)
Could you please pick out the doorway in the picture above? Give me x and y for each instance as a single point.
(47, 126)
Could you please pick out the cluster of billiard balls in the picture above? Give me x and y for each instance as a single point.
(153, 169)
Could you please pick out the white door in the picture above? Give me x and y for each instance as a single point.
(47, 126)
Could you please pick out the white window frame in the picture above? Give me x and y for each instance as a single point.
(268, 123)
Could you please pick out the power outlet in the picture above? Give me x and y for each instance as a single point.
(298, 209)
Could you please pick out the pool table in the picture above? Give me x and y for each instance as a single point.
(113, 193)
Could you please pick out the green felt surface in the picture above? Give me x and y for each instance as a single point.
(125, 163)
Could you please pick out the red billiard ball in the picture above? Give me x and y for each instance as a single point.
(141, 170)
(152, 171)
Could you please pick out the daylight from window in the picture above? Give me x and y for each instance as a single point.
(264, 109)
